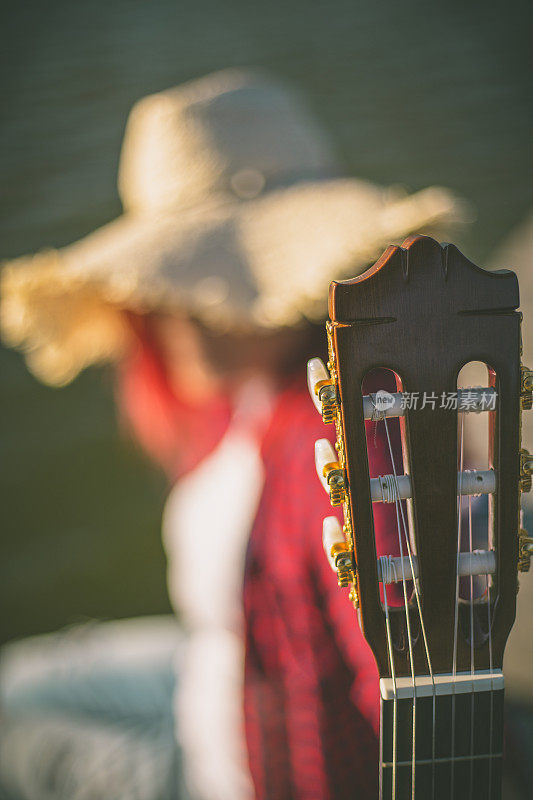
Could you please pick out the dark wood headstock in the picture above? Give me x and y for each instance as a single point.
(424, 310)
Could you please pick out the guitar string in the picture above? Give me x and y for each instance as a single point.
(456, 611)
(378, 415)
(489, 622)
(394, 694)
(472, 657)
(472, 663)
(410, 643)
(419, 605)
(408, 624)
(490, 545)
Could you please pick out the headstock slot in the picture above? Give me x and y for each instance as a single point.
(477, 519)
(379, 386)
(423, 311)
(474, 375)
(387, 455)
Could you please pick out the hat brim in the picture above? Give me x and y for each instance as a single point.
(263, 263)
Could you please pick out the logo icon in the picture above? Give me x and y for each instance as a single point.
(383, 400)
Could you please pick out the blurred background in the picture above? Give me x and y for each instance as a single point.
(413, 93)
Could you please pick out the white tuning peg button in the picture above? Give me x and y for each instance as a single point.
(316, 372)
(331, 535)
(324, 455)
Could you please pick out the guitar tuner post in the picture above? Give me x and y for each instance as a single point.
(327, 394)
(525, 550)
(334, 475)
(394, 569)
(527, 379)
(339, 552)
(526, 470)
(526, 388)
(342, 558)
(326, 391)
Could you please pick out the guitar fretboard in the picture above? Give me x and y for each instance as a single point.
(461, 760)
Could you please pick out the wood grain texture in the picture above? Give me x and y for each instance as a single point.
(424, 310)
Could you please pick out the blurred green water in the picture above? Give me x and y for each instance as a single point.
(414, 93)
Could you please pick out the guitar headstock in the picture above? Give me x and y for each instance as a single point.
(417, 317)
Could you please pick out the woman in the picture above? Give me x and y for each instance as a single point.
(209, 292)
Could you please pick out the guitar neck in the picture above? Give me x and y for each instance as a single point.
(446, 743)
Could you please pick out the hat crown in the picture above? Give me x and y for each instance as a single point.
(228, 135)
(187, 244)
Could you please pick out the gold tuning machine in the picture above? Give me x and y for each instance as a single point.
(326, 391)
(526, 470)
(340, 556)
(526, 388)
(525, 550)
(525, 542)
(343, 563)
(346, 573)
(334, 475)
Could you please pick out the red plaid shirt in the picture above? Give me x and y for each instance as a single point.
(311, 685)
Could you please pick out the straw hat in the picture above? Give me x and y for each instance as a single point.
(233, 211)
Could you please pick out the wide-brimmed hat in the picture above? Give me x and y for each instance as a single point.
(234, 211)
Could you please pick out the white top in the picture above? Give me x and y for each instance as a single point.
(206, 526)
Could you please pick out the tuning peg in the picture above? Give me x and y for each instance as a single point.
(337, 552)
(526, 470)
(526, 388)
(329, 471)
(322, 389)
(332, 539)
(324, 455)
(525, 550)
(316, 374)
